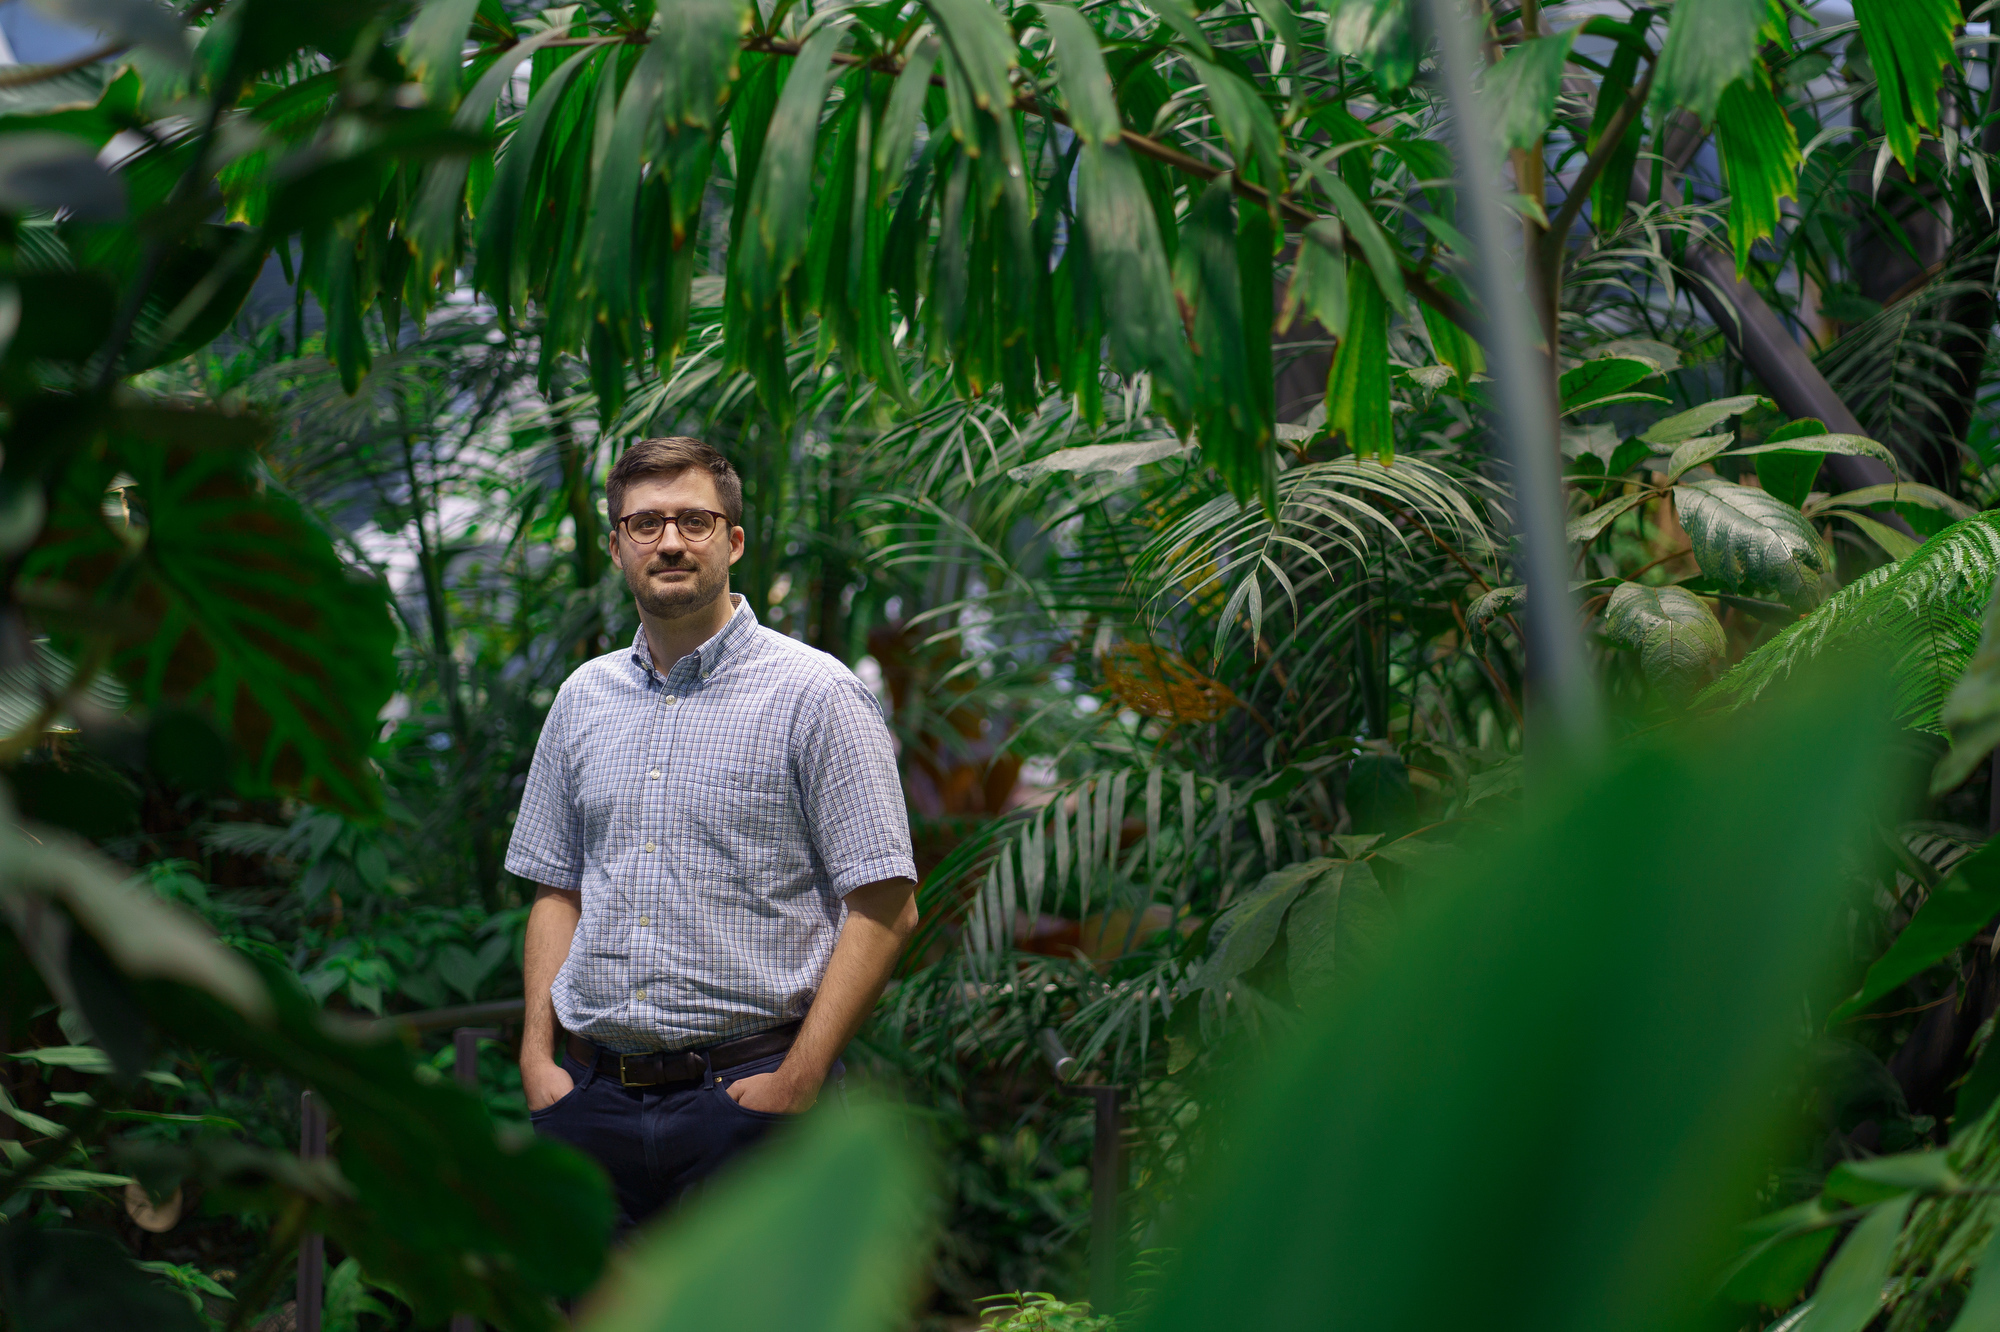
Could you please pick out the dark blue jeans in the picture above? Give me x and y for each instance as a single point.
(658, 1144)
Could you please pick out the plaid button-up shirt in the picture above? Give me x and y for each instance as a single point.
(713, 818)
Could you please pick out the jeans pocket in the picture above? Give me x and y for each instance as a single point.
(730, 1077)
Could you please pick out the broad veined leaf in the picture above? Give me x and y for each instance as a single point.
(1898, 492)
(243, 604)
(1760, 161)
(1852, 446)
(1749, 541)
(1604, 381)
(1487, 608)
(1909, 44)
(1680, 641)
(1672, 430)
(1710, 45)
(842, 1195)
(1379, 34)
(1520, 91)
(1850, 1294)
(1954, 912)
(1971, 712)
(1336, 927)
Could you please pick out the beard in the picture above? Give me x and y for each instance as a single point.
(681, 599)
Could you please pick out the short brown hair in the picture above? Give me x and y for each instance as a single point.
(669, 457)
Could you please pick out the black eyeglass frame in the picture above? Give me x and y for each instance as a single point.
(623, 525)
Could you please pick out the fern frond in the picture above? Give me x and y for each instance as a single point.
(1924, 609)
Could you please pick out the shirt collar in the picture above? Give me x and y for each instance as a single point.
(725, 642)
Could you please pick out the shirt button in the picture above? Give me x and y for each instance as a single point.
(645, 920)
(638, 994)
(654, 774)
(649, 846)
(670, 700)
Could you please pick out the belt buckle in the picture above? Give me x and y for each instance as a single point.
(625, 1081)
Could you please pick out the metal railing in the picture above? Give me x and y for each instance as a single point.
(1107, 1172)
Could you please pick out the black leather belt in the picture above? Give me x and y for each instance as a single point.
(656, 1067)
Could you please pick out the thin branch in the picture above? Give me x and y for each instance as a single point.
(1607, 148)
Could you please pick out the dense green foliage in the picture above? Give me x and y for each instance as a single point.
(1111, 388)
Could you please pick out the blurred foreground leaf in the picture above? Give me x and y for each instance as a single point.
(821, 1231)
(1559, 1083)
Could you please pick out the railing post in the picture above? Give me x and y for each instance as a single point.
(1107, 1174)
(312, 1247)
(465, 1067)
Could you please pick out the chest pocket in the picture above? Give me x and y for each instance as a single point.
(739, 818)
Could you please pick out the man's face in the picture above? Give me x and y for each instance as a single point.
(675, 577)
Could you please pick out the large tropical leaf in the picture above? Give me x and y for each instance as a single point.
(229, 597)
(1909, 44)
(1921, 611)
(1680, 641)
(1752, 541)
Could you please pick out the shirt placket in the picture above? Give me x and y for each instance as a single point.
(652, 847)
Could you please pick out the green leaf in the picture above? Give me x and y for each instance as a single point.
(1245, 121)
(1981, 1310)
(1520, 92)
(1379, 34)
(982, 44)
(1966, 899)
(433, 220)
(1898, 492)
(913, 85)
(1789, 473)
(1588, 527)
(82, 1058)
(504, 256)
(1893, 543)
(1180, 16)
(1786, 1249)
(1335, 928)
(434, 47)
(1245, 930)
(1678, 1055)
(1884, 1177)
(1680, 641)
(1850, 1294)
(1319, 279)
(1357, 384)
(1375, 244)
(246, 608)
(1278, 15)
(77, 1181)
(1971, 712)
(1760, 161)
(841, 1197)
(1710, 45)
(1232, 419)
(1129, 258)
(1606, 380)
(1909, 44)
(1686, 425)
(1692, 454)
(1748, 541)
(705, 38)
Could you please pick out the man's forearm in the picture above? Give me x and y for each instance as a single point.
(551, 928)
(880, 920)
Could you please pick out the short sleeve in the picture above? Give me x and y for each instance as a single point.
(852, 794)
(547, 846)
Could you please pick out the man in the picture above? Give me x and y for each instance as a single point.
(718, 833)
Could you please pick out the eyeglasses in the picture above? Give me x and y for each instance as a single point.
(647, 526)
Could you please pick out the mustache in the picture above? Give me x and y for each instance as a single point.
(681, 565)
